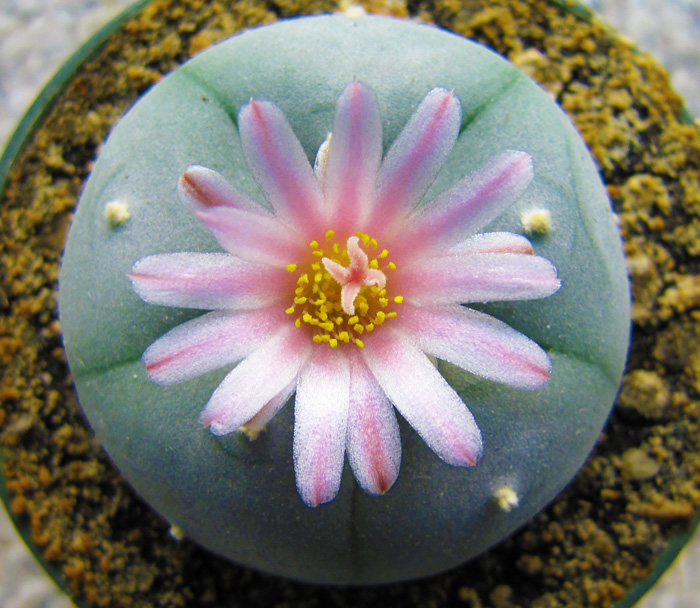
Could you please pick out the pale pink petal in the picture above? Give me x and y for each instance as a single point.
(423, 396)
(253, 236)
(354, 157)
(270, 409)
(280, 166)
(468, 206)
(480, 277)
(208, 281)
(477, 343)
(209, 342)
(493, 242)
(416, 157)
(320, 425)
(257, 379)
(373, 440)
(201, 188)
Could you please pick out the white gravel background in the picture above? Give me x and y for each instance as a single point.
(37, 36)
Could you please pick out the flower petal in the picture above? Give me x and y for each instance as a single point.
(493, 242)
(480, 277)
(280, 166)
(201, 188)
(423, 396)
(209, 342)
(270, 409)
(354, 157)
(477, 343)
(373, 440)
(320, 424)
(253, 236)
(416, 157)
(207, 281)
(257, 379)
(469, 205)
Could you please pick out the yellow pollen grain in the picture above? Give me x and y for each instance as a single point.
(383, 302)
(307, 317)
(391, 266)
(398, 299)
(317, 277)
(344, 336)
(328, 326)
(291, 267)
(363, 307)
(313, 244)
(290, 310)
(330, 234)
(318, 253)
(374, 264)
(369, 326)
(303, 279)
(392, 315)
(359, 342)
(381, 317)
(301, 300)
(338, 320)
(384, 253)
(374, 243)
(316, 266)
(333, 342)
(358, 328)
(297, 323)
(353, 320)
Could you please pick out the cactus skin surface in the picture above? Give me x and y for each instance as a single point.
(237, 497)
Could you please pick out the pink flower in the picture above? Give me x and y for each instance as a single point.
(342, 287)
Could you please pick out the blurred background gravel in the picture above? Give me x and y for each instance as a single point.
(37, 36)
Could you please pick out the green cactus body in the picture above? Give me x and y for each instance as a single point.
(235, 495)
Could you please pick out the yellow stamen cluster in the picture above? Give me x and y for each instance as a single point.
(317, 297)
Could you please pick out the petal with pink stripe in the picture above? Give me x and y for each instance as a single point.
(208, 281)
(201, 188)
(260, 377)
(255, 237)
(477, 343)
(493, 242)
(416, 157)
(270, 409)
(469, 205)
(480, 277)
(209, 342)
(280, 166)
(423, 396)
(320, 425)
(373, 440)
(354, 157)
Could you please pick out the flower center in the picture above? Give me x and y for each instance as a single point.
(342, 292)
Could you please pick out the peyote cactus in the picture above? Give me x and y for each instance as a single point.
(204, 238)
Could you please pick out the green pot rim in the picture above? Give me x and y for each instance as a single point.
(32, 120)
